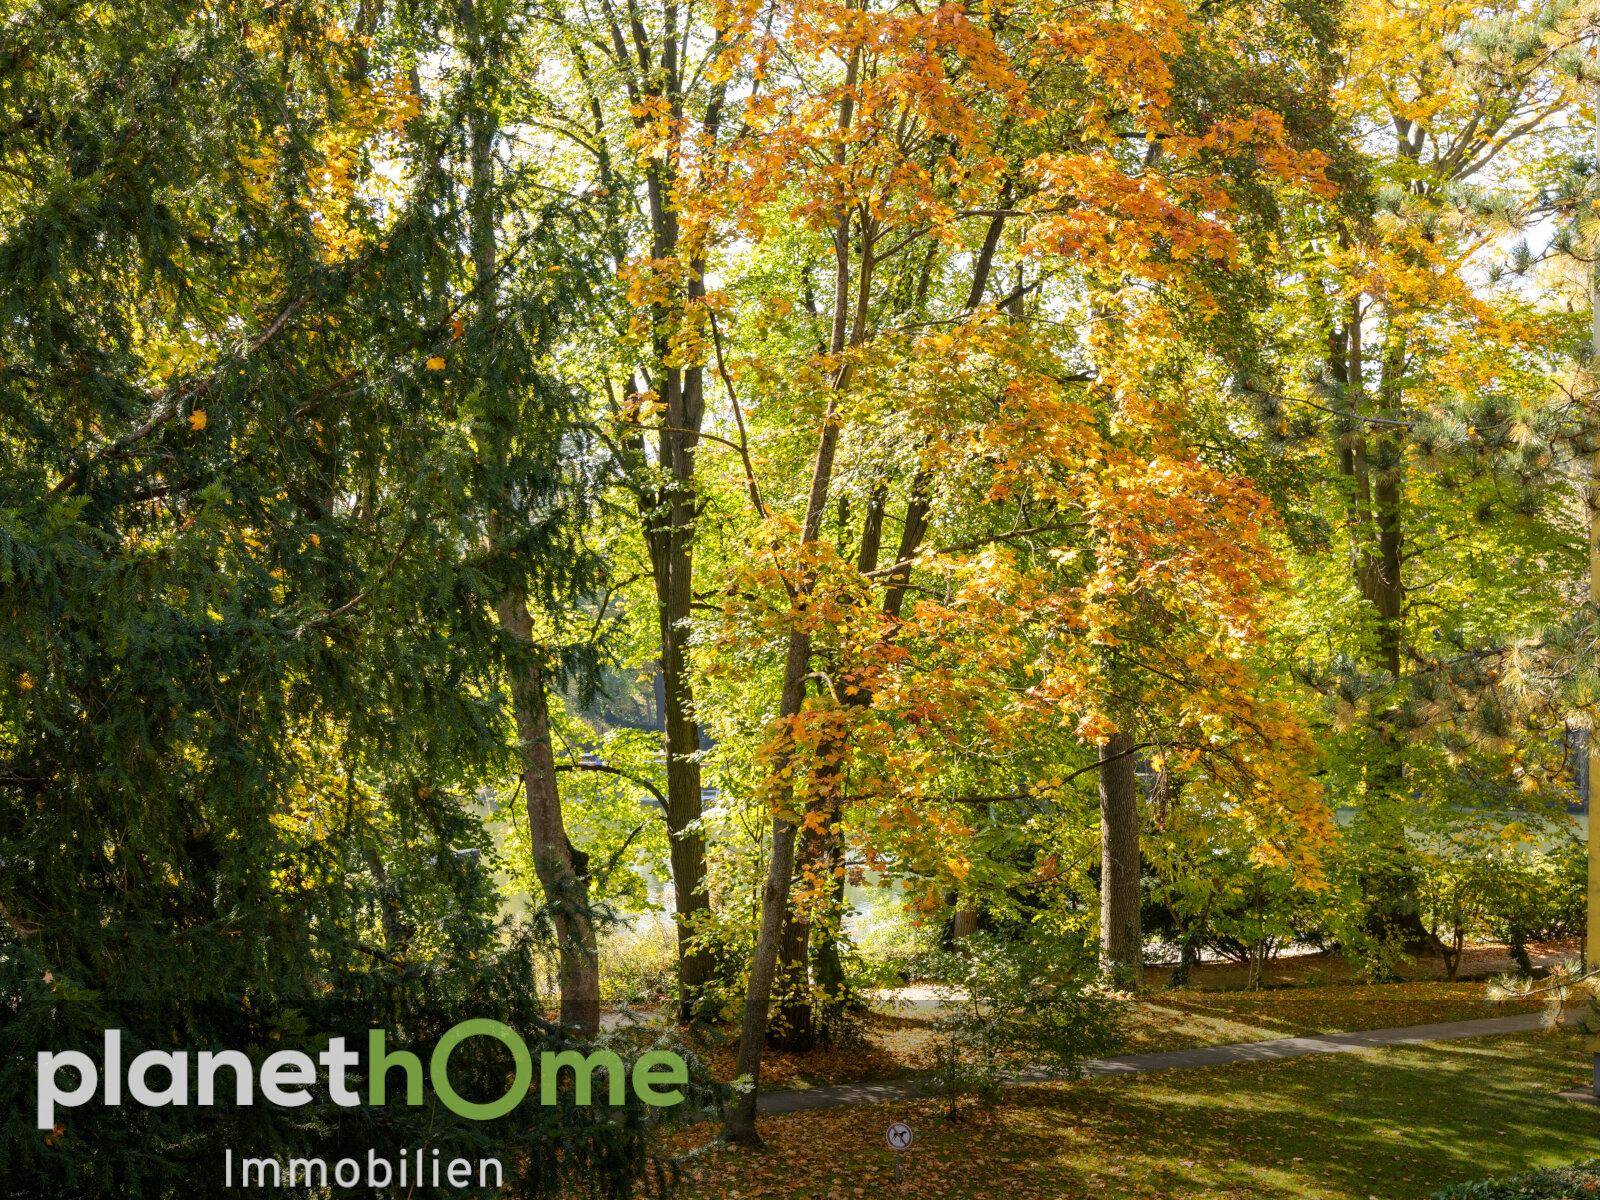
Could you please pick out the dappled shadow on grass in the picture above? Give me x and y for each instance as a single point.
(1395, 1123)
(896, 1046)
(1182, 1018)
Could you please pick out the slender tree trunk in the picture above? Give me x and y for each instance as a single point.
(1121, 945)
(1591, 943)
(561, 870)
(741, 1122)
(669, 532)
(666, 508)
(556, 863)
(809, 945)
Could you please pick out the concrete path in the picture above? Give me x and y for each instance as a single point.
(840, 1095)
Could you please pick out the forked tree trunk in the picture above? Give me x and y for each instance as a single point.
(669, 513)
(808, 945)
(1121, 944)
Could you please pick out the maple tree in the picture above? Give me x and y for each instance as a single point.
(876, 154)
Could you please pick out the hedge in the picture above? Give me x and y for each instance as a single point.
(1580, 1181)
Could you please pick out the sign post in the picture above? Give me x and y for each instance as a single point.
(899, 1137)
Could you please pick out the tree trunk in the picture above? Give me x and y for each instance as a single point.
(555, 862)
(1452, 955)
(669, 521)
(741, 1121)
(810, 932)
(800, 1022)
(793, 1023)
(686, 843)
(1121, 946)
(666, 489)
(566, 887)
(1188, 952)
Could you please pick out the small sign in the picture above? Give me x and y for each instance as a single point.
(899, 1136)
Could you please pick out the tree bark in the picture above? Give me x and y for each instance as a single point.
(649, 60)
(1121, 944)
(565, 884)
(673, 562)
(669, 527)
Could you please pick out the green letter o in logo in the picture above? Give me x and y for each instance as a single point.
(439, 1068)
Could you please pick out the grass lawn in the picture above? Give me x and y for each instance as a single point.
(895, 1046)
(1183, 1017)
(1390, 1124)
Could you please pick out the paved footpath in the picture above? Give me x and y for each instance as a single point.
(840, 1095)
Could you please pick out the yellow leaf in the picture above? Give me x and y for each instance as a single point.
(436, 363)
(197, 420)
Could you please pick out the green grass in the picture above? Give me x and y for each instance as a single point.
(1395, 1124)
(1171, 1019)
(1184, 1017)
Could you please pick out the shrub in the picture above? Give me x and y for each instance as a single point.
(638, 963)
(1013, 1003)
(1577, 1182)
(891, 946)
(1511, 884)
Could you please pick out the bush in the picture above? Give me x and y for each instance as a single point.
(1577, 1182)
(1509, 883)
(638, 963)
(1013, 1003)
(891, 946)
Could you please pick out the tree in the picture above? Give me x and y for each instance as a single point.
(249, 672)
(518, 413)
(1435, 376)
(659, 139)
(1041, 460)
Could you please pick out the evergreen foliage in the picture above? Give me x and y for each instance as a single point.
(252, 687)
